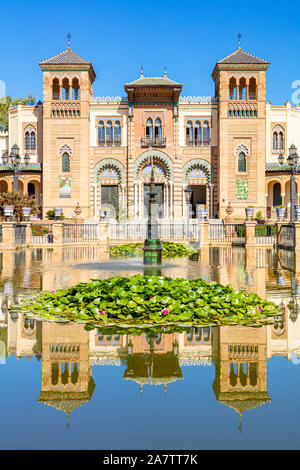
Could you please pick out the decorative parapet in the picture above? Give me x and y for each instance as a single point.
(22, 167)
(197, 99)
(109, 99)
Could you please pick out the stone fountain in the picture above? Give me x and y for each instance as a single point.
(152, 245)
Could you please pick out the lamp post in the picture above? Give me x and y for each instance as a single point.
(188, 194)
(15, 159)
(292, 161)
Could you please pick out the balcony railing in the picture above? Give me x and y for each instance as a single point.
(109, 143)
(153, 141)
(197, 143)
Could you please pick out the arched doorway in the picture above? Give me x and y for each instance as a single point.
(163, 174)
(197, 173)
(162, 200)
(277, 198)
(3, 186)
(31, 189)
(109, 188)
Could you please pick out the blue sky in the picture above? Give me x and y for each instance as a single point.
(118, 36)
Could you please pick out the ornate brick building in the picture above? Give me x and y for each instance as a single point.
(98, 150)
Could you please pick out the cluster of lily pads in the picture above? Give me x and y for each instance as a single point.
(170, 250)
(145, 300)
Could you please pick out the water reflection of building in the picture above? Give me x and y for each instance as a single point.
(241, 368)
(152, 359)
(67, 381)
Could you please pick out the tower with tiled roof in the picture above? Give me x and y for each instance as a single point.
(240, 87)
(67, 91)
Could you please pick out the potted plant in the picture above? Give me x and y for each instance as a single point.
(297, 211)
(280, 210)
(205, 212)
(249, 212)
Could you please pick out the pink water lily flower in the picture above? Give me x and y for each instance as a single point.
(102, 313)
(259, 309)
(165, 311)
(53, 290)
(165, 327)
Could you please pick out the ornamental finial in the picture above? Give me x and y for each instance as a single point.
(69, 37)
(165, 75)
(142, 71)
(239, 38)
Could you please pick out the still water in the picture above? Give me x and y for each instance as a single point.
(63, 387)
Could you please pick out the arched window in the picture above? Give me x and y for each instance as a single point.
(149, 128)
(252, 89)
(117, 133)
(32, 141)
(206, 132)
(101, 134)
(232, 89)
(158, 128)
(65, 162)
(109, 133)
(66, 88)
(189, 133)
(27, 140)
(275, 140)
(198, 134)
(280, 141)
(242, 162)
(55, 89)
(75, 86)
(242, 89)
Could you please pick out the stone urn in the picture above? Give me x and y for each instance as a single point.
(229, 212)
(77, 211)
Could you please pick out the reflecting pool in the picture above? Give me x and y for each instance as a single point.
(220, 387)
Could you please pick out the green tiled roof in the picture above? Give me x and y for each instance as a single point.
(23, 167)
(278, 167)
(152, 81)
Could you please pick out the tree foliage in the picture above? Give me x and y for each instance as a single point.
(9, 101)
(19, 201)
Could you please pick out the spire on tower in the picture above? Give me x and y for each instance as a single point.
(165, 74)
(69, 37)
(239, 38)
(142, 71)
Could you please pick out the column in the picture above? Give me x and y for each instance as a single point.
(211, 187)
(135, 199)
(183, 202)
(171, 199)
(250, 233)
(167, 200)
(296, 235)
(28, 234)
(95, 200)
(123, 196)
(57, 229)
(8, 235)
(140, 199)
